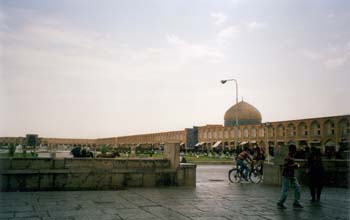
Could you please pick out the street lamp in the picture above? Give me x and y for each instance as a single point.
(267, 148)
(236, 112)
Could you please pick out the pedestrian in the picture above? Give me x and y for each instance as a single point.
(316, 173)
(288, 177)
(76, 152)
(307, 152)
(260, 158)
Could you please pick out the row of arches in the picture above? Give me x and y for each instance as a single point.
(153, 138)
(313, 128)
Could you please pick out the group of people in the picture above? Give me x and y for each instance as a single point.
(81, 152)
(315, 172)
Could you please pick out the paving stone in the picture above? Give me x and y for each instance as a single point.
(26, 214)
(103, 217)
(189, 211)
(165, 213)
(29, 218)
(57, 218)
(209, 218)
(135, 214)
(22, 208)
(138, 200)
(4, 215)
(76, 213)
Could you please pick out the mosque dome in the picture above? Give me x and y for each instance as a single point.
(246, 114)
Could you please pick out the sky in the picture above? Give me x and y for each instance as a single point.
(106, 68)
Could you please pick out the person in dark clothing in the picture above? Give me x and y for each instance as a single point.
(81, 152)
(307, 152)
(260, 158)
(76, 152)
(288, 176)
(183, 159)
(316, 173)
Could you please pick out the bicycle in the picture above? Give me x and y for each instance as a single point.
(235, 175)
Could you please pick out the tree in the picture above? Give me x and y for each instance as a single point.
(12, 149)
(104, 149)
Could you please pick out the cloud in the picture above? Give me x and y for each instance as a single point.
(338, 56)
(223, 38)
(331, 57)
(173, 39)
(256, 25)
(54, 45)
(335, 62)
(330, 16)
(45, 58)
(190, 51)
(219, 18)
(235, 2)
(42, 55)
(312, 55)
(227, 34)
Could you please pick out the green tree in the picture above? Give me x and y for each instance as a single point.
(104, 149)
(12, 149)
(24, 151)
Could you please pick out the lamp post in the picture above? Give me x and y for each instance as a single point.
(267, 148)
(236, 110)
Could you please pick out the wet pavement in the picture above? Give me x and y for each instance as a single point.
(214, 198)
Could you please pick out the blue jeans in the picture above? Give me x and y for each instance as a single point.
(244, 168)
(285, 188)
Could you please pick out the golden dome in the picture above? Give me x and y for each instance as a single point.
(246, 114)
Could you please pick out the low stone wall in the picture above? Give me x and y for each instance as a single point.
(93, 174)
(337, 173)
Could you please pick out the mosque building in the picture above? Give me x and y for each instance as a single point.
(326, 133)
(242, 124)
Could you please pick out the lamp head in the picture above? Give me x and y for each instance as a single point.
(223, 81)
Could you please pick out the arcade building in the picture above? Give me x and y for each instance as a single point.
(242, 124)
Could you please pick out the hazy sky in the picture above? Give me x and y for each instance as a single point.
(87, 69)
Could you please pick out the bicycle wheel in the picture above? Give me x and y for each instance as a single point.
(234, 176)
(255, 176)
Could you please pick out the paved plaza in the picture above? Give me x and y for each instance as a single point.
(214, 198)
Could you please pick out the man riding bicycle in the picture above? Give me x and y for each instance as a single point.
(240, 161)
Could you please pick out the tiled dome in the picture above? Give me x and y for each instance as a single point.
(246, 114)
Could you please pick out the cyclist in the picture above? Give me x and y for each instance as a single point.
(241, 158)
